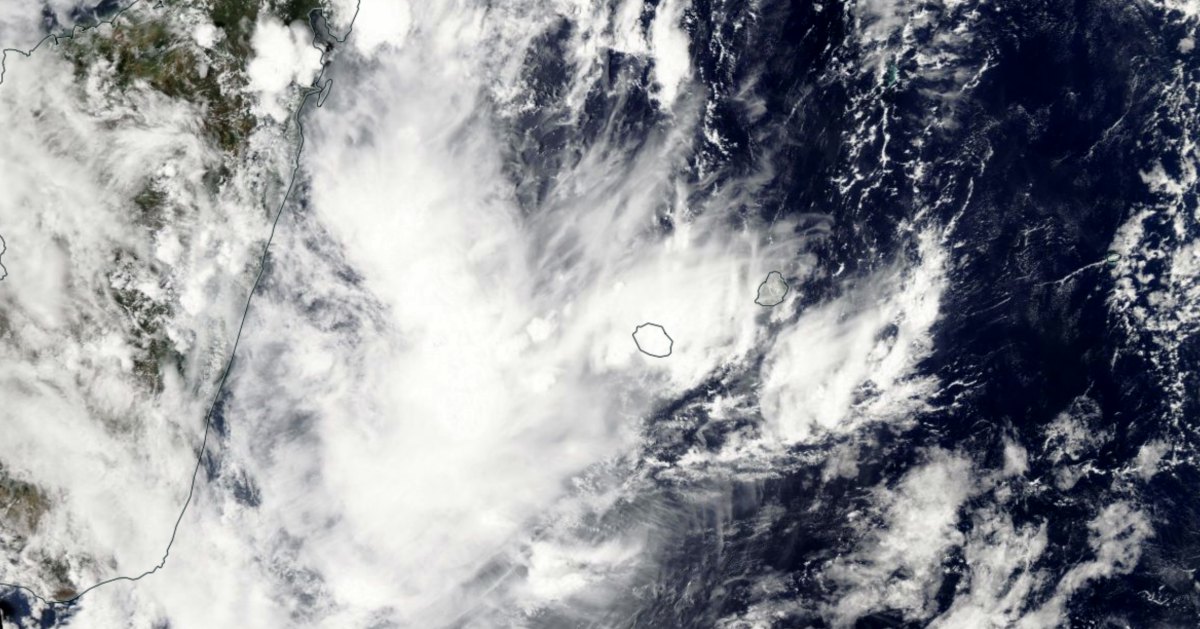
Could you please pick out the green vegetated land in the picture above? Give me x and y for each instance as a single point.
(23, 505)
(146, 318)
(145, 46)
(151, 46)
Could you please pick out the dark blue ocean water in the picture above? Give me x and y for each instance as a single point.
(1037, 161)
(1037, 165)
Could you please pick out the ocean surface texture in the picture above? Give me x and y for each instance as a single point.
(567, 314)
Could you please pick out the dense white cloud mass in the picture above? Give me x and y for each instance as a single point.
(491, 358)
(669, 42)
(437, 416)
(284, 58)
(871, 339)
(397, 430)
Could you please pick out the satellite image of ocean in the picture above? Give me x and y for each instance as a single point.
(584, 314)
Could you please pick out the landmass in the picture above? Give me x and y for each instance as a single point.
(652, 340)
(772, 291)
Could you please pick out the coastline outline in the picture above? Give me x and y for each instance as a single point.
(321, 88)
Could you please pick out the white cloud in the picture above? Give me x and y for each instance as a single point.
(669, 43)
(75, 420)
(112, 454)
(1149, 459)
(205, 34)
(1117, 533)
(438, 438)
(284, 58)
(382, 23)
(1000, 574)
(1016, 459)
(852, 358)
(899, 564)
(433, 366)
(1003, 581)
(434, 373)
